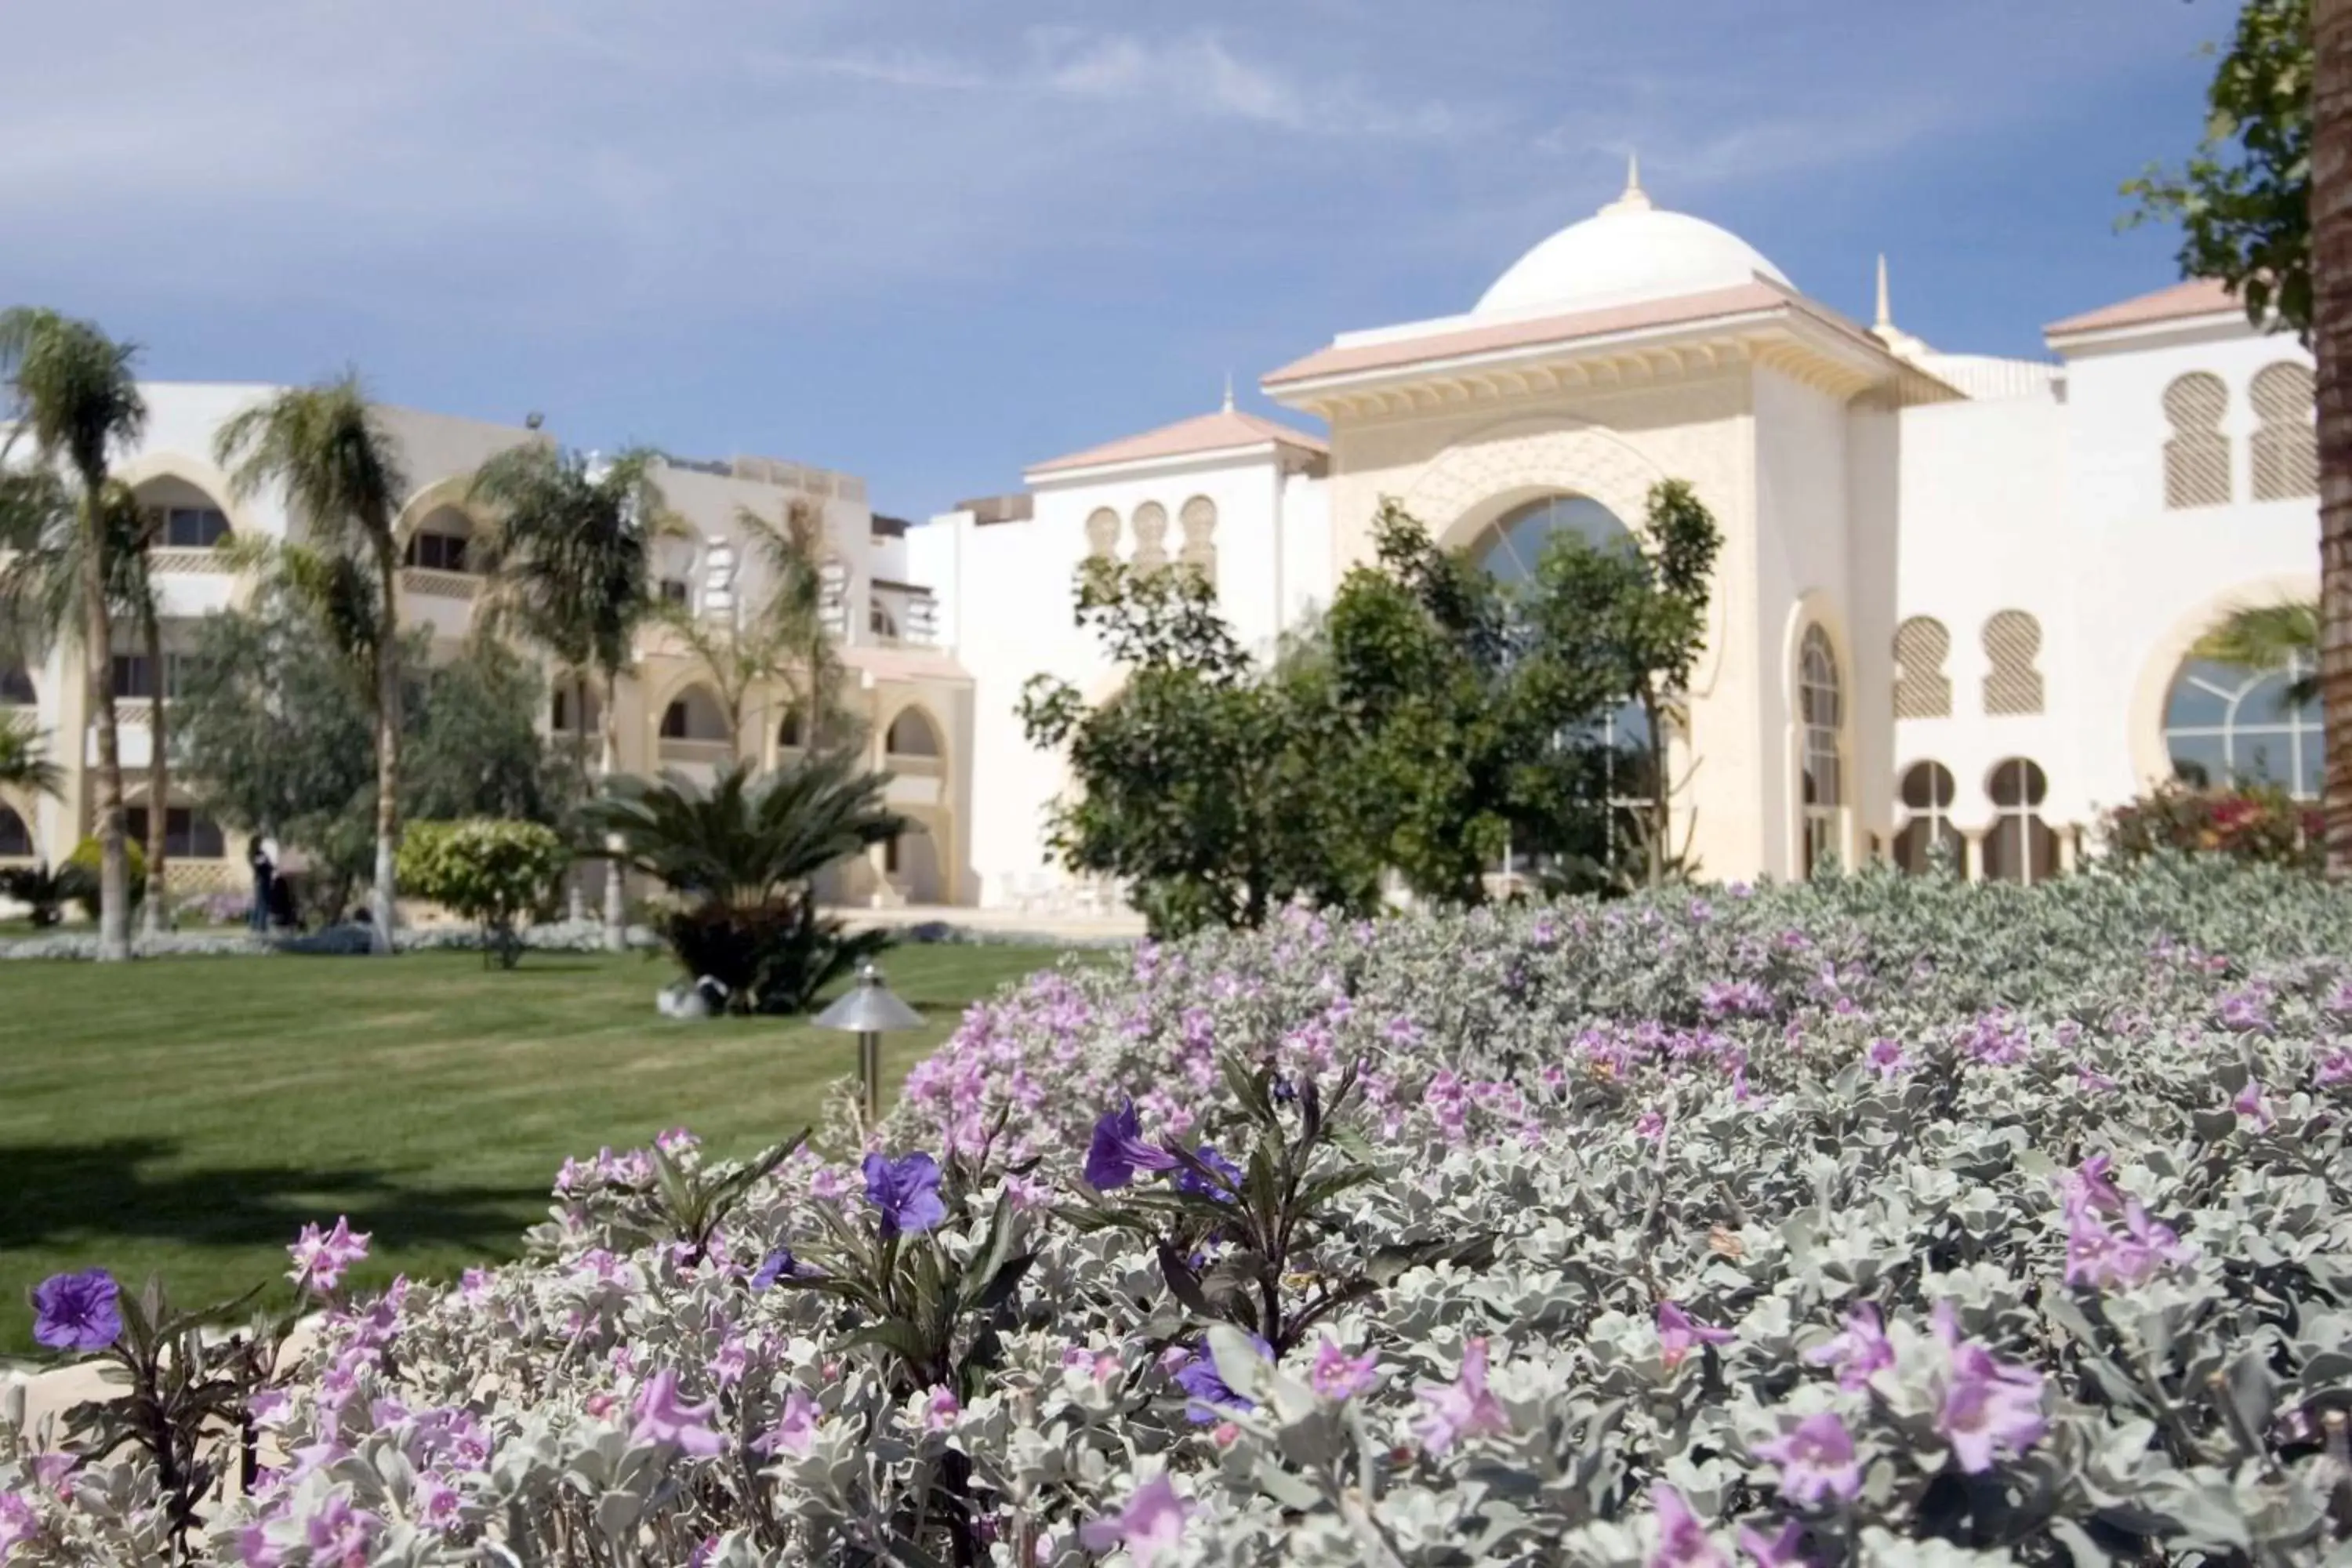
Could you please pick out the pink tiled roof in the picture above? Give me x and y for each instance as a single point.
(2197, 297)
(1208, 433)
(1395, 352)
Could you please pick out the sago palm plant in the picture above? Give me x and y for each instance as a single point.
(744, 854)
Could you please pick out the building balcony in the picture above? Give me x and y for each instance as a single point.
(429, 583)
(676, 752)
(187, 561)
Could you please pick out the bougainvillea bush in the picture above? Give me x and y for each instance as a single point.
(1879, 1222)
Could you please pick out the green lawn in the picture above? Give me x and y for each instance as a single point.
(186, 1116)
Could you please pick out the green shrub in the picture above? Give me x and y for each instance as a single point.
(79, 875)
(493, 873)
(773, 957)
(2258, 822)
(41, 891)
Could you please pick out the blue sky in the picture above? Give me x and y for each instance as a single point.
(931, 242)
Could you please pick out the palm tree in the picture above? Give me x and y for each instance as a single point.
(575, 558)
(793, 613)
(24, 760)
(2270, 637)
(73, 393)
(327, 448)
(2331, 334)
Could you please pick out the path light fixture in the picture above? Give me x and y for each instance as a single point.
(868, 1010)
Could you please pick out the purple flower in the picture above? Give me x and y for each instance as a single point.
(1861, 1350)
(1210, 1397)
(1678, 1335)
(2091, 1080)
(1650, 1124)
(1119, 1152)
(2335, 1067)
(1985, 1406)
(1191, 1181)
(906, 1192)
(794, 1431)
(1683, 1541)
(2090, 1187)
(1339, 1375)
(340, 1536)
(778, 1265)
(2248, 1012)
(19, 1523)
(1817, 1461)
(320, 1260)
(1886, 1058)
(77, 1311)
(2252, 1105)
(1462, 1409)
(662, 1417)
(1774, 1550)
(1152, 1523)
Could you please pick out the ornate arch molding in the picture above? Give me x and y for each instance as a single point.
(2151, 763)
(1509, 464)
(454, 492)
(915, 705)
(146, 469)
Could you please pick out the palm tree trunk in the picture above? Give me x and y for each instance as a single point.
(387, 742)
(575, 904)
(617, 890)
(113, 867)
(159, 771)
(2331, 266)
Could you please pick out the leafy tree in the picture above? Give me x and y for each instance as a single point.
(474, 747)
(2243, 198)
(576, 544)
(792, 552)
(744, 853)
(1213, 787)
(73, 393)
(24, 757)
(327, 448)
(492, 872)
(1632, 617)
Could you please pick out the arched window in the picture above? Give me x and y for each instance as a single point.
(1102, 534)
(2012, 641)
(1820, 707)
(1927, 837)
(16, 687)
(441, 542)
(566, 717)
(695, 715)
(1150, 526)
(2021, 847)
(2285, 440)
(788, 733)
(188, 527)
(15, 838)
(1509, 548)
(911, 734)
(2228, 723)
(2197, 457)
(1199, 521)
(1921, 688)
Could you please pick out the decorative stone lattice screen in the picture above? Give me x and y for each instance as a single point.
(2012, 641)
(1198, 520)
(1150, 525)
(2286, 442)
(1921, 688)
(1102, 534)
(2197, 458)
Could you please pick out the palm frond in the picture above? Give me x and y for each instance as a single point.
(741, 839)
(574, 547)
(327, 448)
(23, 761)
(2271, 637)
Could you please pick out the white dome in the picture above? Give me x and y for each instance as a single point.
(1628, 251)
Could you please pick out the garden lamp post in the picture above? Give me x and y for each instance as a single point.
(870, 1011)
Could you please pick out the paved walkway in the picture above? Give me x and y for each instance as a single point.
(1104, 929)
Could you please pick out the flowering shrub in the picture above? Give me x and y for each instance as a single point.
(2245, 822)
(491, 872)
(1884, 1221)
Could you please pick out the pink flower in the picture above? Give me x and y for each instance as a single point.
(1886, 1058)
(1861, 1350)
(794, 1431)
(1150, 1524)
(320, 1260)
(1462, 1409)
(340, 1536)
(1678, 1335)
(2091, 1080)
(2335, 1067)
(1683, 1541)
(1817, 1461)
(2252, 1106)
(19, 1523)
(1986, 1406)
(2090, 1187)
(1338, 1375)
(676, 1141)
(1650, 1125)
(663, 1419)
(728, 1363)
(940, 1410)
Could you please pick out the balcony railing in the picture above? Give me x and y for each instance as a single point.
(433, 584)
(188, 559)
(713, 754)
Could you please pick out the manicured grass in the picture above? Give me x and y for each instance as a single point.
(186, 1116)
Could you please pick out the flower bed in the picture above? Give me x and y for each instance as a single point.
(1881, 1222)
